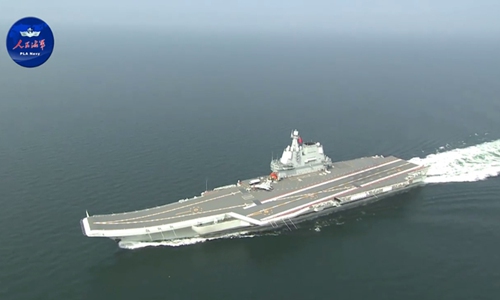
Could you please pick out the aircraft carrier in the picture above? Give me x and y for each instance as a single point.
(303, 184)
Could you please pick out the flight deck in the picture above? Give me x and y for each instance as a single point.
(347, 178)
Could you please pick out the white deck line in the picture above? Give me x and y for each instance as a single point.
(246, 219)
(283, 214)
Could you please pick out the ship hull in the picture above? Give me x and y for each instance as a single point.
(290, 224)
(293, 201)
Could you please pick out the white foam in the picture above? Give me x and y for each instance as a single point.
(468, 164)
(179, 242)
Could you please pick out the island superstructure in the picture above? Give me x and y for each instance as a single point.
(304, 184)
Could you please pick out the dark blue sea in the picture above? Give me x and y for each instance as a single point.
(111, 126)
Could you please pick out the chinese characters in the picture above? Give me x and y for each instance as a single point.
(30, 45)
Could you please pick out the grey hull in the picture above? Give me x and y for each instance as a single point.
(284, 223)
(291, 223)
(304, 184)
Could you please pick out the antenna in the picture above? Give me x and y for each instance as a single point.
(206, 184)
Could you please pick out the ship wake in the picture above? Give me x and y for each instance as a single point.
(182, 242)
(473, 163)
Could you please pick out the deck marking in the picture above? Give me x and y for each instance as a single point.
(282, 214)
(340, 187)
(195, 203)
(189, 213)
(270, 209)
(168, 218)
(332, 180)
(136, 220)
(183, 212)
